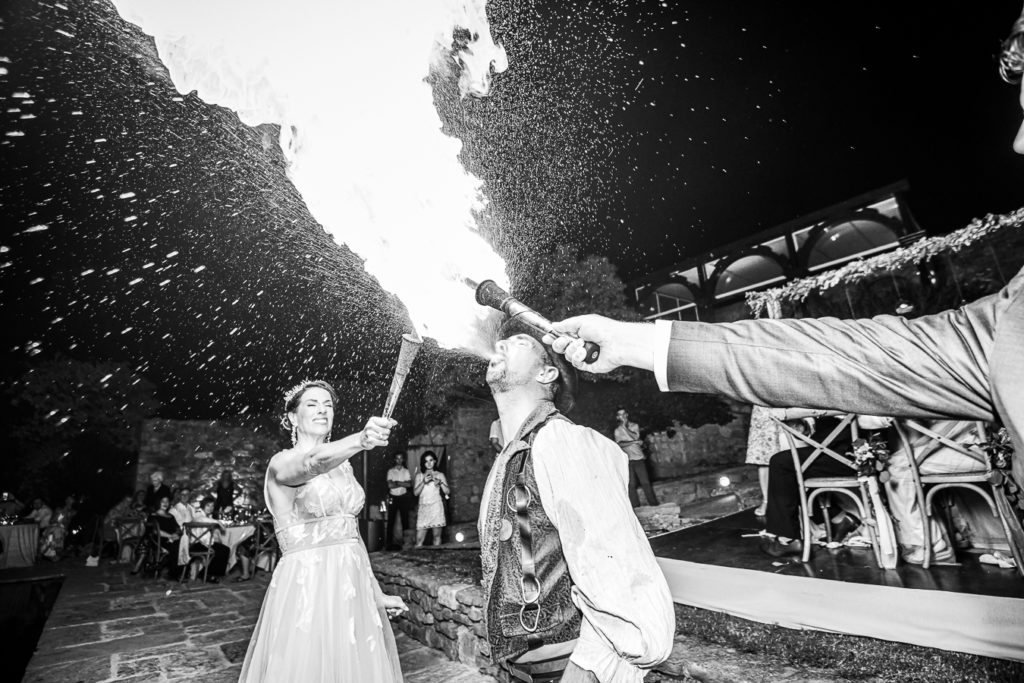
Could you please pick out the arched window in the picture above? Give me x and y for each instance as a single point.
(847, 240)
(672, 301)
(748, 272)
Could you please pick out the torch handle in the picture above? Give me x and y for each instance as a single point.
(593, 352)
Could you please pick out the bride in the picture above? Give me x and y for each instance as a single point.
(324, 617)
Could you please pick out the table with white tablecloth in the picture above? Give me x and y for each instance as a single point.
(234, 536)
(20, 542)
(231, 536)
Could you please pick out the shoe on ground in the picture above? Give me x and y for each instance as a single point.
(775, 548)
(915, 555)
(847, 525)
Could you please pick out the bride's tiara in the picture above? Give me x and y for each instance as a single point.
(296, 390)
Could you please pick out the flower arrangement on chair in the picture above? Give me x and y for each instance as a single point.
(999, 448)
(1000, 453)
(871, 457)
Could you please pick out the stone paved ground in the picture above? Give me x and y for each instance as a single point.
(110, 626)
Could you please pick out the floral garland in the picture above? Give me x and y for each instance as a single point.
(922, 250)
(871, 457)
(999, 448)
(1000, 452)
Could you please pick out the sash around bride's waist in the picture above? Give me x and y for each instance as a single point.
(292, 538)
(312, 520)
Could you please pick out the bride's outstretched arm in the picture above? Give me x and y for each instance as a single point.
(294, 467)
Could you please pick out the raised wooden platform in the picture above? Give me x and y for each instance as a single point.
(969, 607)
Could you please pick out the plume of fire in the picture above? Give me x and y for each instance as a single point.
(345, 83)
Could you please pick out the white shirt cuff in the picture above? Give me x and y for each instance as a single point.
(596, 657)
(662, 337)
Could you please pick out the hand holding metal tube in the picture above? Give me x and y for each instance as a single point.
(488, 293)
(621, 343)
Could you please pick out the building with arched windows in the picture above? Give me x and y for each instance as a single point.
(711, 287)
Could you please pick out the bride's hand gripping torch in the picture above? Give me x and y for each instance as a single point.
(488, 293)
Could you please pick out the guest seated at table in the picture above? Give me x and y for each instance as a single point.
(225, 514)
(122, 508)
(169, 531)
(974, 522)
(182, 508)
(138, 504)
(782, 519)
(10, 506)
(244, 552)
(156, 490)
(41, 513)
(52, 540)
(125, 520)
(210, 539)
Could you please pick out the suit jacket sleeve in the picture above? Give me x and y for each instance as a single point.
(933, 366)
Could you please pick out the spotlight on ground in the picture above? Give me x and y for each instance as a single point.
(460, 537)
(723, 481)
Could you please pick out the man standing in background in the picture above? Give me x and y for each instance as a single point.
(399, 486)
(627, 435)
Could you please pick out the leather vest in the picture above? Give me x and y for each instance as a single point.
(530, 602)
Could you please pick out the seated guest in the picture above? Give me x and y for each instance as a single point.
(121, 509)
(137, 507)
(169, 533)
(903, 498)
(156, 490)
(782, 520)
(125, 519)
(182, 510)
(245, 552)
(53, 537)
(10, 506)
(41, 513)
(210, 539)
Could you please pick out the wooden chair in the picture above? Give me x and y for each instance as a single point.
(200, 537)
(811, 488)
(129, 532)
(982, 478)
(265, 543)
(154, 548)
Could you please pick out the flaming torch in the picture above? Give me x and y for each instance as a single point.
(488, 293)
(410, 347)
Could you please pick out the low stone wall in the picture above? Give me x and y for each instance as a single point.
(442, 589)
(688, 447)
(685, 490)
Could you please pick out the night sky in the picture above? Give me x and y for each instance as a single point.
(150, 228)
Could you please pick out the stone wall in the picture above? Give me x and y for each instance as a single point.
(694, 448)
(444, 598)
(194, 452)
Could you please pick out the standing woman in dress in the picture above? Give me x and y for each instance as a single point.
(430, 485)
(324, 617)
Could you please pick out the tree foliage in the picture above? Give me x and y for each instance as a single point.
(70, 418)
